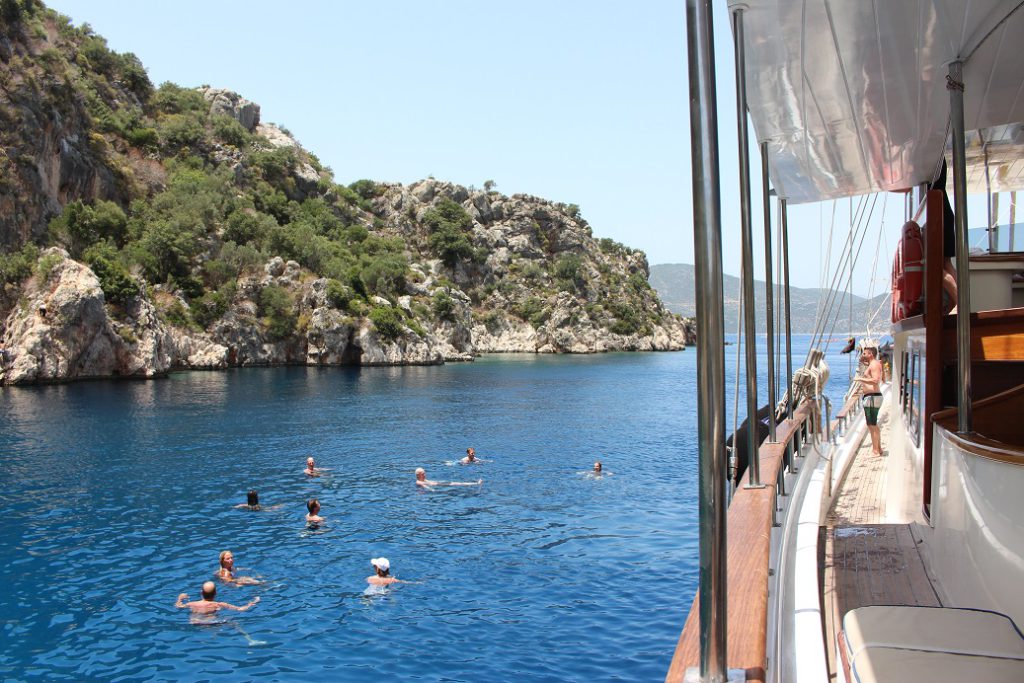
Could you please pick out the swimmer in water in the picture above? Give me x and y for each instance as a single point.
(314, 512)
(471, 458)
(597, 468)
(311, 469)
(422, 481)
(253, 501)
(227, 571)
(209, 605)
(381, 576)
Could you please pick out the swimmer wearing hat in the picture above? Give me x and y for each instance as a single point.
(382, 576)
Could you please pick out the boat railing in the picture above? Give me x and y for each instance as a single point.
(751, 516)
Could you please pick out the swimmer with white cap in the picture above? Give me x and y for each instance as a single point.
(382, 573)
(421, 480)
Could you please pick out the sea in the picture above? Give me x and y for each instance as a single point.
(117, 496)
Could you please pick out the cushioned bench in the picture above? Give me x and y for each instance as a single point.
(904, 643)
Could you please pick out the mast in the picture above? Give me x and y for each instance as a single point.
(707, 239)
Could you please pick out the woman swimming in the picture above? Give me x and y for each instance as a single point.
(227, 571)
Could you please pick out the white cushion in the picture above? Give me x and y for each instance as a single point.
(937, 629)
(894, 665)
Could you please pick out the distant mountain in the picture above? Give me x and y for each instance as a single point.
(674, 284)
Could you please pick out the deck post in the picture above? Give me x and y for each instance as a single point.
(707, 239)
(784, 227)
(747, 248)
(769, 286)
(955, 85)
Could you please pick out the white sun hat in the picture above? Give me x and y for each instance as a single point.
(381, 563)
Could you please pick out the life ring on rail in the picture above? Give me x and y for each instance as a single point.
(908, 273)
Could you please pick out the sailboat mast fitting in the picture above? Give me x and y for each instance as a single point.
(769, 287)
(707, 238)
(747, 242)
(955, 85)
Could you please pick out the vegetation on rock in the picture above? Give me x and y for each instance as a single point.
(182, 195)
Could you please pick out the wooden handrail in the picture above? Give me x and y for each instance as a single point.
(847, 407)
(749, 532)
(998, 409)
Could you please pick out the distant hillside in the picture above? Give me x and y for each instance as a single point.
(674, 284)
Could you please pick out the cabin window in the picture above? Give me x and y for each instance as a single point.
(912, 391)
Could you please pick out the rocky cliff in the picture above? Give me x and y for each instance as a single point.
(146, 229)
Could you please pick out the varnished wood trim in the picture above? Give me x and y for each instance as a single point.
(1011, 257)
(748, 535)
(977, 444)
(984, 447)
(847, 407)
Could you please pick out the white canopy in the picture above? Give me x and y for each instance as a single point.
(851, 94)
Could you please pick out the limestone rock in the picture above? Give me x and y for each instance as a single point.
(62, 331)
(228, 103)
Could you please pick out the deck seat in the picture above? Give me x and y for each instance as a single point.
(884, 664)
(897, 643)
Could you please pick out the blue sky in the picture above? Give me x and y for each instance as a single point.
(578, 101)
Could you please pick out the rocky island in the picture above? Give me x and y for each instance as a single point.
(146, 229)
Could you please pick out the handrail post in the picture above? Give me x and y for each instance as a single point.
(747, 244)
(955, 85)
(769, 287)
(784, 227)
(707, 239)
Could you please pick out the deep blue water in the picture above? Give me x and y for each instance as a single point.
(117, 496)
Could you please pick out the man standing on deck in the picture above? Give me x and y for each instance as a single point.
(871, 397)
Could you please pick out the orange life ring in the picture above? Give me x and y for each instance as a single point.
(908, 274)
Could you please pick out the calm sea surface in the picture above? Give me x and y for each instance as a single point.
(117, 496)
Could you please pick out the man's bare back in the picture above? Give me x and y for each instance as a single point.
(209, 604)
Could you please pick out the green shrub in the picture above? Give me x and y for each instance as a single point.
(569, 271)
(144, 137)
(173, 99)
(241, 256)
(451, 245)
(45, 266)
(178, 130)
(531, 310)
(366, 189)
(338, 295)
(17, 266)
(116, 282)
(80, 226)
(443, 306)
(227, 129)
(387, 321)
(277, 308)
(274, 164)
(213, 305)
(176, 314)
(385, 273)
(638, 283)
(248, 226)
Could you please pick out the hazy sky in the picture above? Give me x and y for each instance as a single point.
(578, 101)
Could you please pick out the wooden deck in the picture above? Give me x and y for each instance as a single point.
(864, 560)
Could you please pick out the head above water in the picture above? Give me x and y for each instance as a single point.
(421, 474)
(313, 506)
(253, 497)
(227, 559)
(209, 590)
(381, 565)
(597, 466)
(470, 453)
(310, 463)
